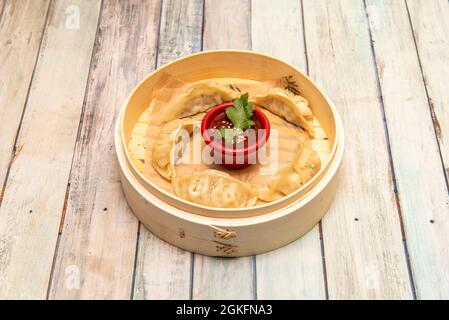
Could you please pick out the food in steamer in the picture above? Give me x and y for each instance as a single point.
(215, 186)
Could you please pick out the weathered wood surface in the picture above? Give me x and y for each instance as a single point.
(65, 228)
(361, 232)
(430, 23)
(231, 278)
(21, 28)
(419, 176)
(164, 271)
(35, 190)
(299, 263)
(96, 253)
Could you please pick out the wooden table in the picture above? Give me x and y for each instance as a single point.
(67, 66)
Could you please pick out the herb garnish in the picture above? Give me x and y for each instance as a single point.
(291, 85)
(240, 115)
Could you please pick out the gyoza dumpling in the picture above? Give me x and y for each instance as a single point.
(303, 106)
(214, 189)
(284, 105)
(290, 178)
(162, 152)
(198, 98)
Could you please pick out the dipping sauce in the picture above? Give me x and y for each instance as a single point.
(221, 121)
(240, 146)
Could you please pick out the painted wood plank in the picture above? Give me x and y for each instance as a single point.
(21, 29)
(227, 24)
(299, 263)
(419, 176)
(361, 232)
(431, 29)
(97, 247)
(164, 271)
(430, 22)
(35, 191)
(221, 278)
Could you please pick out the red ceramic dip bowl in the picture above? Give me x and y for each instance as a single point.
(233, 155)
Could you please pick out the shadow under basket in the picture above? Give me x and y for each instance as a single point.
(239, 231)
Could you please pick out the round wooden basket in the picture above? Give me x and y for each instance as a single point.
(218, 231)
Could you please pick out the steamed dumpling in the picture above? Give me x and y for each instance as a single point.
(290, 178)
(198, 98)
(303, 106)
(162, 152)
(284, 105)
(214, 189)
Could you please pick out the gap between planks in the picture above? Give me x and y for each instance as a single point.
(140, 225)
(170, 277)
(15, 148)
(390, 157)
(107, 265)
(232, 278)
(336, 36)
(421, 182)
(40, 243)
(320, 224)
(429, 100)
(67, 193)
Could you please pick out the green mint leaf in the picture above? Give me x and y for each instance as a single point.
(244, 99)
(237, 114)
(251, 123)
(249, 109)
(240, 114)
(232, 115)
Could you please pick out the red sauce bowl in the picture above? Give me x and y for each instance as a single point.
(234, 157)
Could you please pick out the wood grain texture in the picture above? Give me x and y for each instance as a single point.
(430, 22)
(419, 176)
(362, 231)
(299, 263)
(164, 271)
(39, 174)
(181, 29)
(99, 234)
(220, 278)
(227, 24)
(21, 29)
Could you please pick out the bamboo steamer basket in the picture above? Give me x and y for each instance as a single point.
(219, 231)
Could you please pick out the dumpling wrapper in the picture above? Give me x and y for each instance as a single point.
(162, 152)
(303, 106)
(293, 176)
(214, 188)
(284, 105)
(197, 98)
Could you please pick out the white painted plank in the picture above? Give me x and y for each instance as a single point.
(98, 242)
(220, 278)
(277, 29)
(361, 232)
(430, 22)
(227, 24)
(21, 28)
(164, 271)
(419, 175)
(34, 195)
